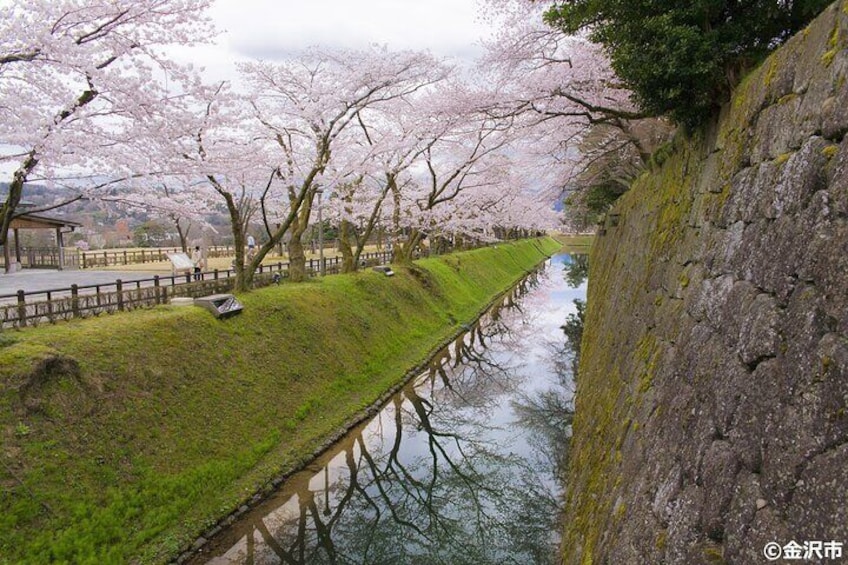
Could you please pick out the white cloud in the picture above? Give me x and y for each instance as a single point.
(271, 29)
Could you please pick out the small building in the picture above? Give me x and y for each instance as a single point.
(53, 258)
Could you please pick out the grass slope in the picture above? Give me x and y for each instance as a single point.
(575, 243)
(125, 436)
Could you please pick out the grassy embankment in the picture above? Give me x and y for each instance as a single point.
(574, 243)
(125, 436)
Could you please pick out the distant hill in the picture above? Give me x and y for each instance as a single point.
(39, 196)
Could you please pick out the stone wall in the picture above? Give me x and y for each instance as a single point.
(712, 403)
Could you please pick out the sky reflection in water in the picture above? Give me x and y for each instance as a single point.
(462, 466)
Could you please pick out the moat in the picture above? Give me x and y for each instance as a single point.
(464, 465)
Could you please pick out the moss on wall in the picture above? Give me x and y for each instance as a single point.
(712, 307)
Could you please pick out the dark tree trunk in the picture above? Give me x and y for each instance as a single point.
(348, 261)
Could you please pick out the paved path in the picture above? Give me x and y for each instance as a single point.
(33, 280)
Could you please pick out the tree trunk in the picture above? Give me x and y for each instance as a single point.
(396, 244)
(405, 252)
(440, 245)
(13, 199)
(297, 256)
(243, 278)
(299, 225)
(348, 261)
(182, 233)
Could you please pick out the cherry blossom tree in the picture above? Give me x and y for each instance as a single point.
(307, 106)
(537, 68)
(394, 138)
(74, 77)
(583, 120)
(461, 145)
(211, 143)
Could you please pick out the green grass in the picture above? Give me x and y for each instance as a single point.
(575, 243)
(125, 436)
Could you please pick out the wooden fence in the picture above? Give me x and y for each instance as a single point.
(44, 258)
(93, 259)
(80, 301)
(48, 257)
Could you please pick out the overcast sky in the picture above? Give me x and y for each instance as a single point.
(272, 29)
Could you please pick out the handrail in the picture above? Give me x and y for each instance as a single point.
(22, 308)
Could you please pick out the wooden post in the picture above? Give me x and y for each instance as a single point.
(7, 257)
(75, 309)
(21, 308)
(17, 246)
(119, 286)
(50, 307)
(156, 286)
(60, 243)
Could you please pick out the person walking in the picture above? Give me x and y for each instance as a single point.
(197, 261)
(251, 247)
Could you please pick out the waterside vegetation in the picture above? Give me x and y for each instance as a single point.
(124, 437)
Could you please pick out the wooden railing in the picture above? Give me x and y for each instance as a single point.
(48, 257)
(44, 258)
(80, 301)
(93, 259)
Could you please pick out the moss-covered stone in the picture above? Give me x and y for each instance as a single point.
(714, 367)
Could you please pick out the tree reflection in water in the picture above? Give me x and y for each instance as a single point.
(547, 414)
(460, 467)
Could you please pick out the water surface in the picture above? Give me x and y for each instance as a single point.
(464, 465)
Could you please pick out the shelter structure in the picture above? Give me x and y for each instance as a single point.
(28, 221)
